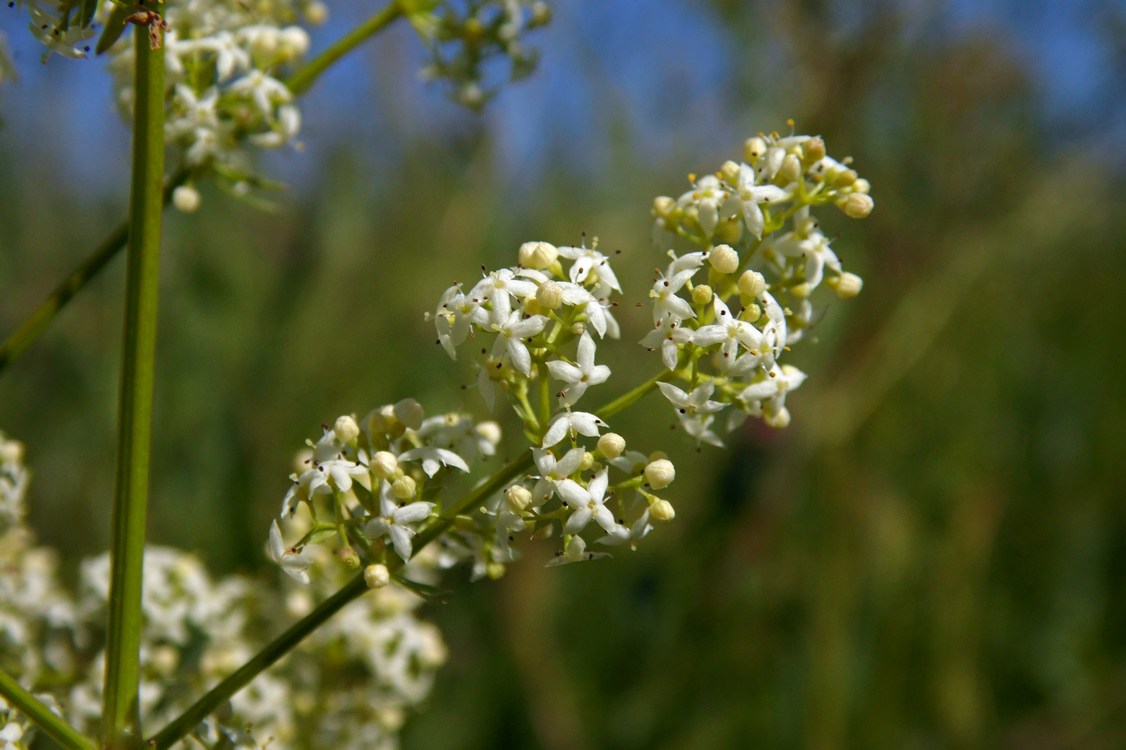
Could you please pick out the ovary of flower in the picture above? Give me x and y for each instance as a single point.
(291, 559)
(666, 303)
(552, 471)
(591, 504)
(729, 332)
(570, 422)
(588, 261)
(691, 404)
(669, 335)
(581, 375)
(510, 338)
(748, 196)
(395, 521)
(433, 458)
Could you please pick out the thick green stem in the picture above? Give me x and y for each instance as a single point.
(302, 80)
(50, 724)
(121, 715)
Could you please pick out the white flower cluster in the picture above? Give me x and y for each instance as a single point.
(354, 682)
(725, 314)
(224, 69)
(13, 483)
(367, 482)
(465, 37)
(55, 23)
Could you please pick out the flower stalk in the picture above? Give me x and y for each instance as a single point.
(48, 722)
(121, 718)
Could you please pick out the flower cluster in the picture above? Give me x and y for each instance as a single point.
(465, 37)
(225, 66)
(725, 313)
(368, 482)
(351, 686)
(13, 483)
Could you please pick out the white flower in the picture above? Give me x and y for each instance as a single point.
(581, 375)
(767, 398)
(434, 458)
(552, 471)
(574, 550)
(747, 198)
(588, 262)
(570, 422)
(593, 506)
(291, 559)
(728, 331)
(690, 404)
(500, 288)
(666, 302)
(668, 335)
(395, 521)
(698, 427)
(708, 196)
(511, 334)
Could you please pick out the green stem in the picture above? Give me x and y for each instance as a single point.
(48, 722)
(626, 400)
(303, 79)
(121, 714)
(38, 321)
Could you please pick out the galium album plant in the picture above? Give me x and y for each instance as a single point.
(150, 649)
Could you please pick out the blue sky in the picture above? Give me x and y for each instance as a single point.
(661, 63)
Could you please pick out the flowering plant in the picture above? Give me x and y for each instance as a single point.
(382, 504)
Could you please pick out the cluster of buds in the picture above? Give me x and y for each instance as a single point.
(466, 37)
(764, 256)
(225, 66)
(368, 483)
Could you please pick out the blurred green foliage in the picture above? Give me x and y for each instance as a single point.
(932, 556)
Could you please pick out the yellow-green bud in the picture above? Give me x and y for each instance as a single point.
(662, 510)
(348, 557)
(578, 328)
(490, 431)
(801, 290)
(729, 230)
(724, 259)
(752, 283)
(186, 199)
(410, 413)
(753, 149)
(495, 570)
(729, 172)
(377, 576)
(701, 294)
(813, 150)
(847, 285)
(587, 462)
(538, 255)
(790, 170)
(660, 473)
(519, 498)
(857, 205)
(346, 429)
(11, 451)
(384, 465)
(611, 445)
(663, 206)
(403, 488)
(550, 295)
(845, 178)
(779, 419)
(316, 13)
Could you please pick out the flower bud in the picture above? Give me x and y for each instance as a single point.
(403, 488)
(752, 283)
(730, 230)
(490, 431)
(587, 462)
(790, 170)
(729, 172)
(857, 205)
(495, 570)
(316, 13)
(814, 149)
(660, 473)
(384, 465)
(701, 294)
(519, 498)
(186, 199)
(302, 460)
(575, 548)
(611, 445)
(724, 259)
(754, 149)
(662, 510)
(11, 451)
(578, 328)
(541, 14)
(845, 178)
(409, 412)
(377, 576)
(779, 419)
(550, 295)
(538, 255)
(801, 290)
(663, 206)
(861, 186)
(346, 429)
(847, 285)
(294, 42)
